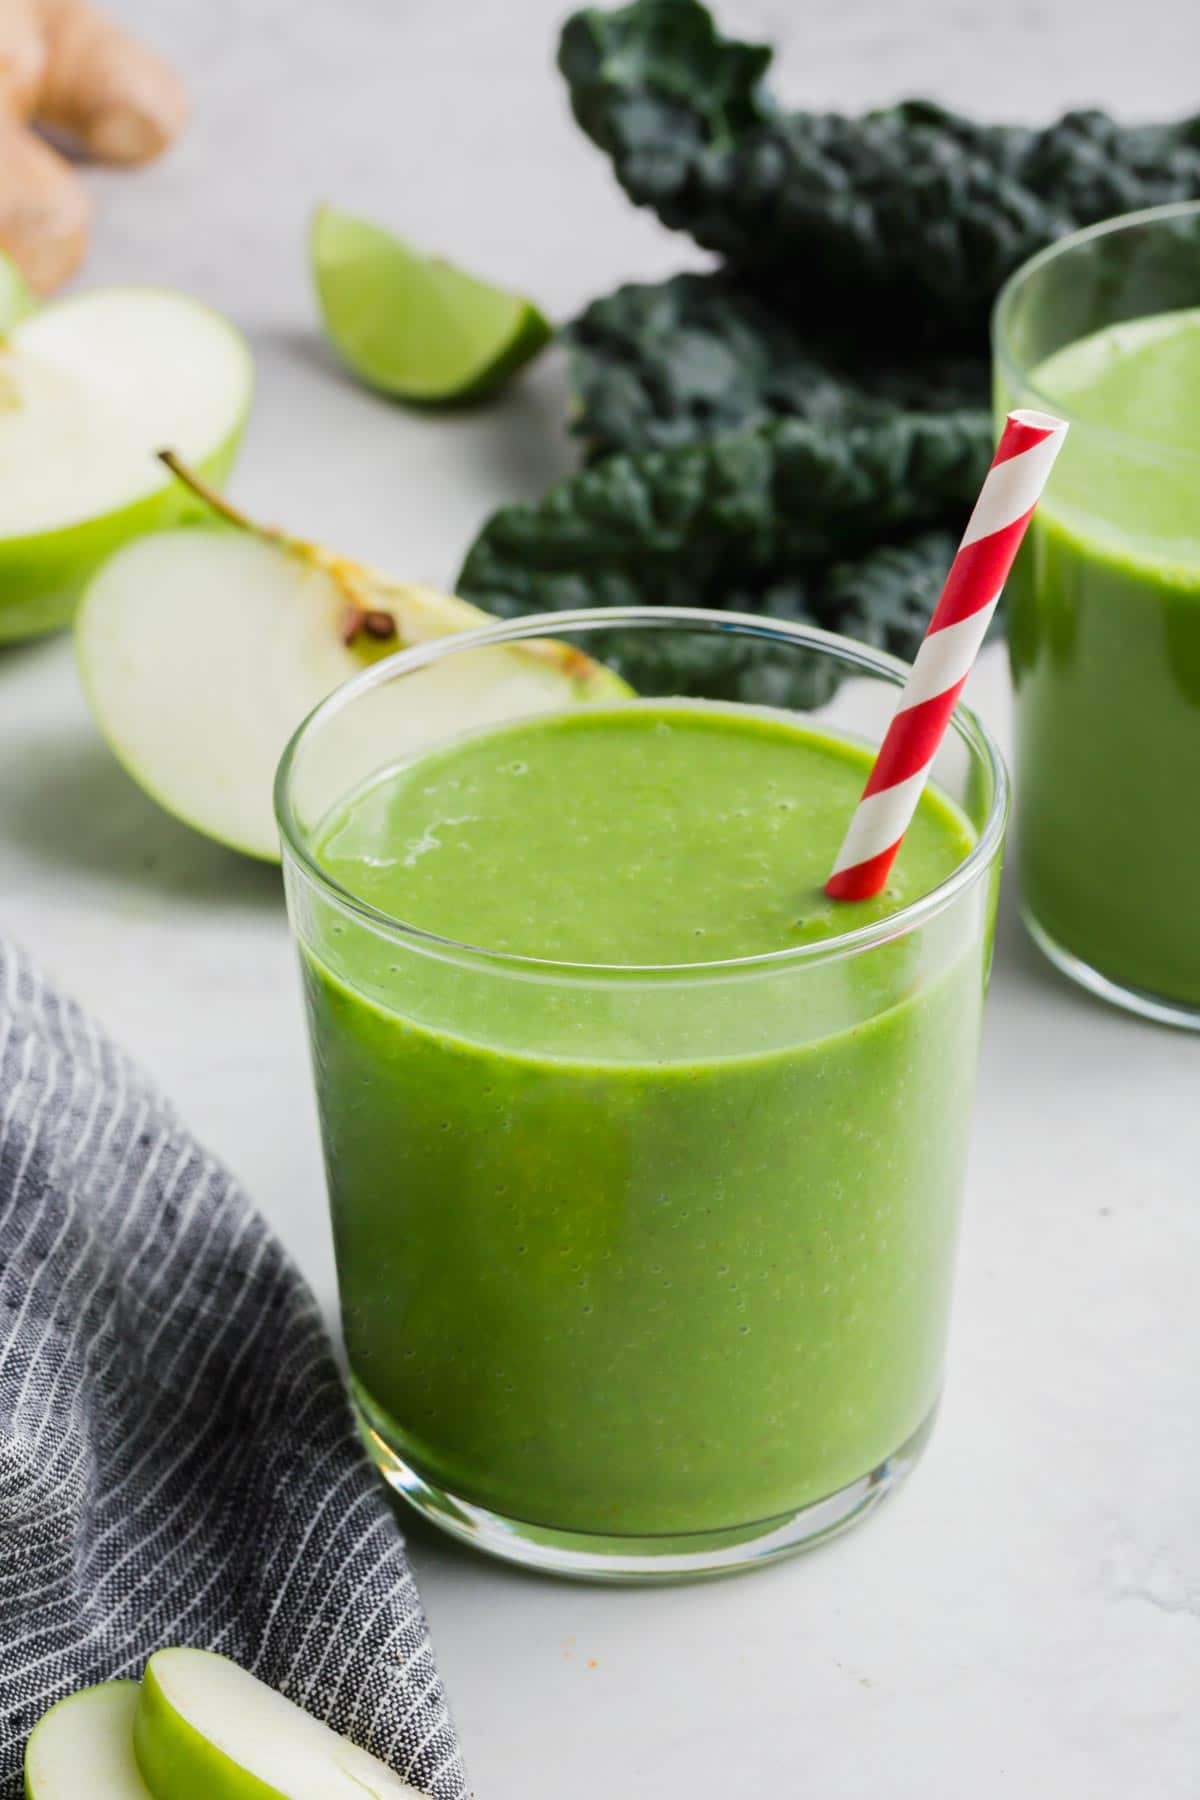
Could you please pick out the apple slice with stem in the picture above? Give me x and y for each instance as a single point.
(207, 1730)
(202, 649)
(85, 1745)
(89, 388)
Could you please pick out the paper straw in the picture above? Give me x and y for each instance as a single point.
(1013, 485)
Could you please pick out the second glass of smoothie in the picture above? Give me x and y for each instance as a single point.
(1104, 608)
(644, 1156)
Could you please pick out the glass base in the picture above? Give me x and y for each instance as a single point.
(1135, 1000)
(583, 1557)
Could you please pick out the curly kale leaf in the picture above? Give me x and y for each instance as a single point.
(667, 523)
(913, 203)
(882, 595)
(785, 520)
(669, 363)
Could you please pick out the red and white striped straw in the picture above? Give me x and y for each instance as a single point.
(1024, 457)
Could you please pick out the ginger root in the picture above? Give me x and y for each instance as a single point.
(65, 66)
(44, 208)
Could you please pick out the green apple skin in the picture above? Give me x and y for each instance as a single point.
(84, 1745)
(177, 1763)
(17, 298)
(43, 576)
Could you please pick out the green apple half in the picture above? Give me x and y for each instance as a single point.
(202, 649)
(89, 389)
(84, 1745)
(206, 1730)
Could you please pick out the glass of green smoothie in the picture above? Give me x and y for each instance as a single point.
(1104, 608)
(644, 1156)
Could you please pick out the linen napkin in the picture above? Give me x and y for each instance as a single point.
(178, 1463)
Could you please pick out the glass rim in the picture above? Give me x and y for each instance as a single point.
(974, 734)
(1019, 376)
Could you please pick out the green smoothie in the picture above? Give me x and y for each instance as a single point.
(1105, 641)
(653, 1253)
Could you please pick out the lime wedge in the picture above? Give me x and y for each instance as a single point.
(412, 325)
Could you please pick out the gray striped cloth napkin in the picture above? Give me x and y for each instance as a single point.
(177, 1459)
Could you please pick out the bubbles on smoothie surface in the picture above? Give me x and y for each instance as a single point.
(643, 833)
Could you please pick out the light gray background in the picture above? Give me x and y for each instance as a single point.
(1025, 1618)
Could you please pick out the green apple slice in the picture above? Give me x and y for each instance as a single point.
(412, 325)
(89, 389)
(84, 1745)
(201, 650)
(206, 1730)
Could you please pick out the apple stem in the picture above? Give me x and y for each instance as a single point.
(360, 617)
(209, 495)
(373, 622)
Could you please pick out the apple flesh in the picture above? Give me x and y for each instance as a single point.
(202, 650)
(207, 1730)
(90, 387)
(85, 1745)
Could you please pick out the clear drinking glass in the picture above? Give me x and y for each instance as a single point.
(1104, 608)
(644, 1272)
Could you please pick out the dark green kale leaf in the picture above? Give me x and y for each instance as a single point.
(667, 525)
(913, 206)
(617, 535)
(666, 364)
(851, 531)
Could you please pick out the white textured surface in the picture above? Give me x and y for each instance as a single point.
(1024, 1620)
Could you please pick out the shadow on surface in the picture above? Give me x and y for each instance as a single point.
(307, 347)
(27, 652)
(521, 443)
(71, 806)
(516, 440)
